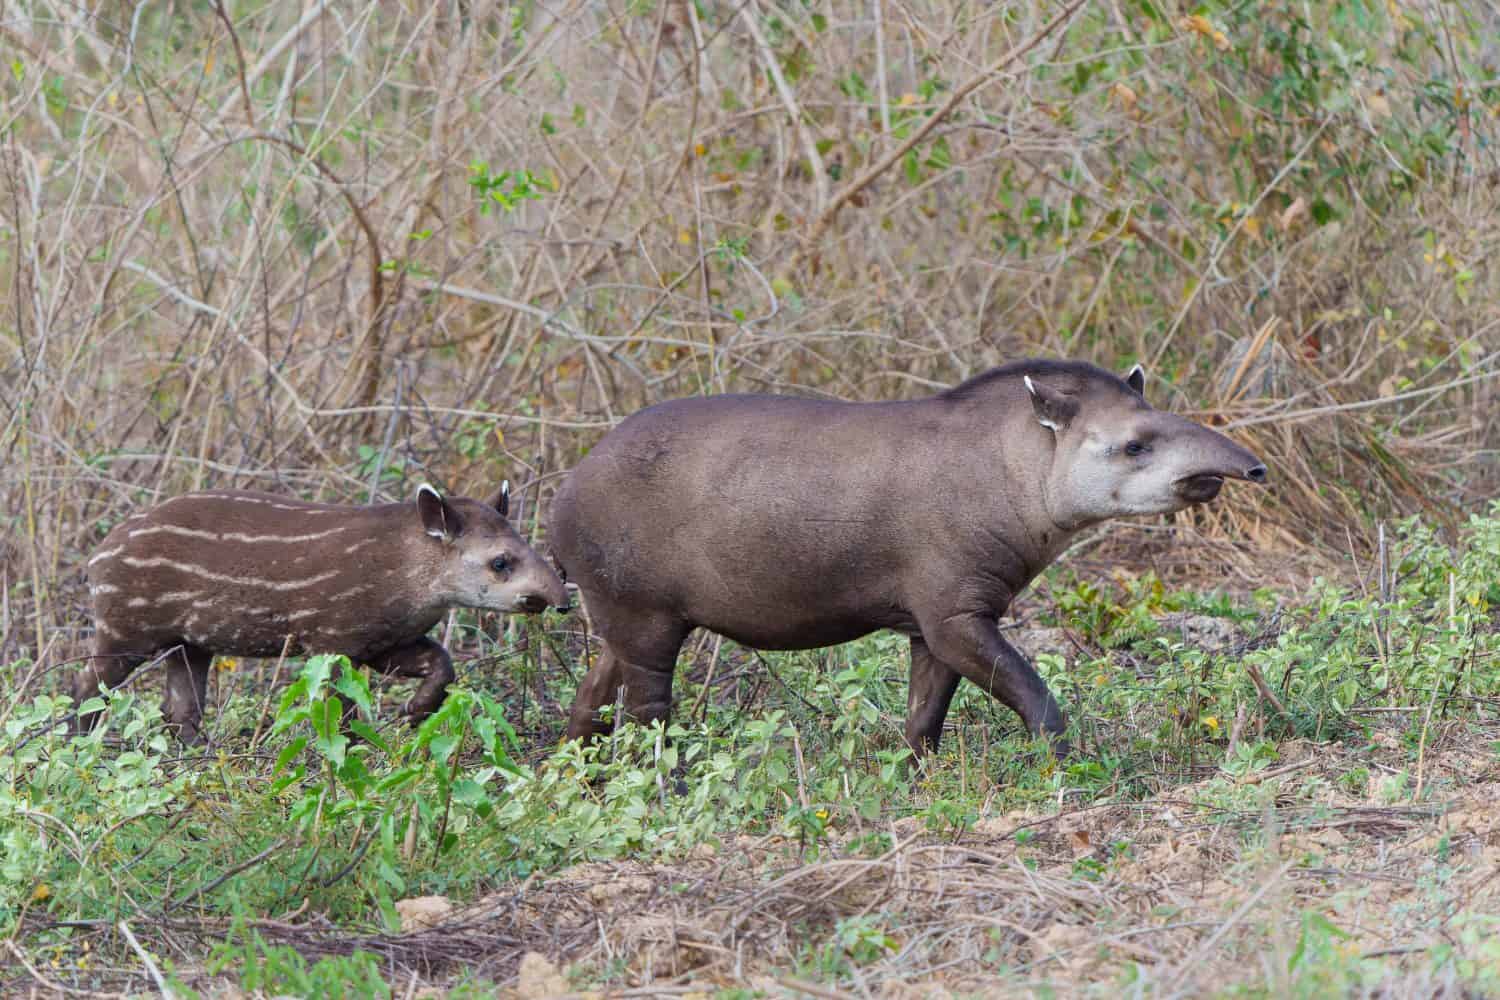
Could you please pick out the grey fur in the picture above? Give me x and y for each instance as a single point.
(788, 523)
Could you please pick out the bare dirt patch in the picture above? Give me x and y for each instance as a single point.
(1204, 886)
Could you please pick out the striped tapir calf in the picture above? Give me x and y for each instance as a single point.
(251, 574)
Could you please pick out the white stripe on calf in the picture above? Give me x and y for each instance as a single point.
(107, 554)
(104, 588)
(137, 602)
(243, 581)
(235, 536)
(299, 508)
(172, 529)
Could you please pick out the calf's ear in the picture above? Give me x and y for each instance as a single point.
(1136, 379)
(502, 499)
(439, 519)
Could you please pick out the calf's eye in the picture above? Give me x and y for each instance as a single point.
(499, 564)
(1134, 448)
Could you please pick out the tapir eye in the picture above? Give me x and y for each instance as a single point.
(1134, 448)
(499, 564)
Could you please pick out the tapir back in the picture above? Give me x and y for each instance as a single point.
(239, 573)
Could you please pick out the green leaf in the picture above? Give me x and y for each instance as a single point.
(353, 684)
(468, 792)
(289, 753)
(327, 715)
(318, 669)
(369, 734)
(443, 746)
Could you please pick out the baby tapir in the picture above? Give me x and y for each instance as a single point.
(787, 523)
(243, 574)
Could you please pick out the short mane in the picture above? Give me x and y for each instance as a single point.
(1072, 375)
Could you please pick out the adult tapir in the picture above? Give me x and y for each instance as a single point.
(791, 523)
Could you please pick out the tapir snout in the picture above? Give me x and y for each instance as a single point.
(1221, 459)
(534, 603)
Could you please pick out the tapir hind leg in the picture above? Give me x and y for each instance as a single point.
(109, 665)
(187, 691)
(642, 664)
(597, 689)
(928, 695)
(971, 644)
(425, 658)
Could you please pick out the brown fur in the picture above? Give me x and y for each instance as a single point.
(247, 574)
(788, 523)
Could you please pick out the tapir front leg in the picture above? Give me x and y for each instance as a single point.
(971, 644)
(425, 658)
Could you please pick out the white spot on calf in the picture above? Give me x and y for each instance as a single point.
(104, 588)
(137, 602)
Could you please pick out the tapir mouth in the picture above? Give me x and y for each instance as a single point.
(531, 604)
(1200, 488)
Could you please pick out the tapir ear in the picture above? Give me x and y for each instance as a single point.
(502, 499)
(439, 519)
(1136, 379)
(1053, 409)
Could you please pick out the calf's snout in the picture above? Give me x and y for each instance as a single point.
(530, 603)
(1256, 473)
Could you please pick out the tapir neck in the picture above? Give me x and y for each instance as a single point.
(1024, 529)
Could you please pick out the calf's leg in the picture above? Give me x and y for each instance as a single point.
(425, 658)
(187, 691)
(110, 664)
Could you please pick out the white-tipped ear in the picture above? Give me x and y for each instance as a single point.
(1136, 379)
(1039, 404)
(433, 508)
(505, 498)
